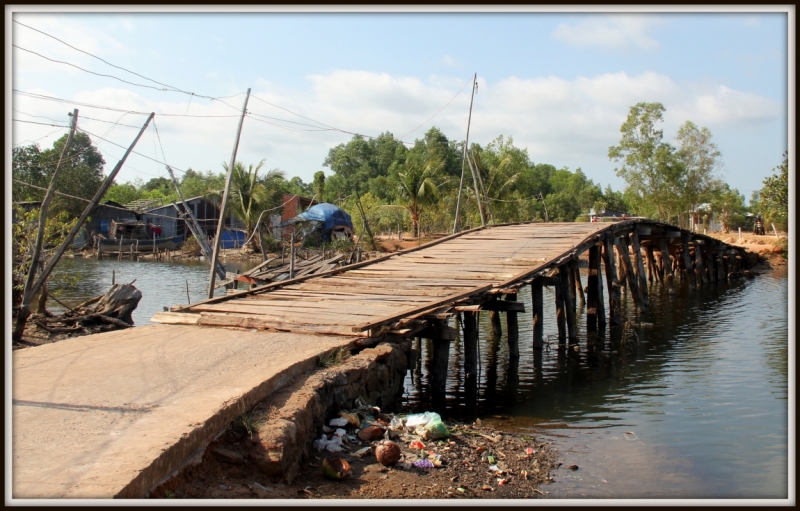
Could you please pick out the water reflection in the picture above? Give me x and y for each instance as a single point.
(704, 390)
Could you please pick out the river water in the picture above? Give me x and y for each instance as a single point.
(697, 408)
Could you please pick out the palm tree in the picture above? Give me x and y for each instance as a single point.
(250, 194)
(417, 187)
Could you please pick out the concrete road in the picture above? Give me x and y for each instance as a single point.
(111, 415)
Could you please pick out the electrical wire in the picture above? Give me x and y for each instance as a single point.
(171, 88)
(37, 139)
(100, 107)
(437, 113)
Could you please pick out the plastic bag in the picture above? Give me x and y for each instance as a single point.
(420, 419)
(435, 429)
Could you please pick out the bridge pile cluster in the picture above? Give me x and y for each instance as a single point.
(415, 293)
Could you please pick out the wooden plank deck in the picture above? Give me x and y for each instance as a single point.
(405, 285)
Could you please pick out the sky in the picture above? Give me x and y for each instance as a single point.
(559, 83)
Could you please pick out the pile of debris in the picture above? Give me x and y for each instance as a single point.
(110, 311)
(272, 270)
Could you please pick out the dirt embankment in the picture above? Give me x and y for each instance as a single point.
(476, 462)
(768, 251)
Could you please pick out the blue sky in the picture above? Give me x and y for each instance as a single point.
(560, 84)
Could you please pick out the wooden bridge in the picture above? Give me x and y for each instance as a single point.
(121, 410)
(414, 292)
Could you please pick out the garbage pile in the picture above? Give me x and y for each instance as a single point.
(383, 435)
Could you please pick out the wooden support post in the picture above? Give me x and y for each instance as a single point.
(470, 320)
(441, 359)
(538, 313)
(667, 266)
(652, 270)
(601, 306)
(622, 276)
(614, 290)
(630, 276)
(561, 319)
(572, 333)
(513, 328)
(593, 290)
(573, 295)
(637, 251)
(698, 261)
(687, 261)
(496, 331)
(711, 264)
(581, 296)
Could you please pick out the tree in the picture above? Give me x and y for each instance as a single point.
(649, 166)
(774, 196)
(81, 173)
(250, 194)
(416, 185)
(318, 186)
(728, 204)
(698, 157)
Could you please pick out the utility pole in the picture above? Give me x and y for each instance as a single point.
(215, 253)
(28, 290)
(71, 236)
(463, 161)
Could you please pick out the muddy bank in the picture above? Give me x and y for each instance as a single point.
(277, 450)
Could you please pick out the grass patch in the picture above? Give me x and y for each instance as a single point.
(333, 357)
(245, 424)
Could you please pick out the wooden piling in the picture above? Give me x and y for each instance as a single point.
(512, 324)
(470, 321)
(593, 291)
(572, 333)
(614, 290)
(669, 280)
(710, 261)
(633, 281)
(637, 251)
(601, 306)
(579, 291)
(573, 295)
(496, 328)
(537, 305)
(687, 261)
(652, 269)
(561, 319)
(440, 362)
(699, 264)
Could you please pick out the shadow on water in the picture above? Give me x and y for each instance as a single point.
(696, 408)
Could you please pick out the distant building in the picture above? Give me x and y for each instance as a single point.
(293, 205)
(703, 218)
(206, 213)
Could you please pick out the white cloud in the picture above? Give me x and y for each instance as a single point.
(560, 121)
(614, 32)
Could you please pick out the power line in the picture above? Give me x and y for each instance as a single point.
(171, 87)
(100, 107)
(37, 139)
(437, 113)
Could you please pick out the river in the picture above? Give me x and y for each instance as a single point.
(697, 408)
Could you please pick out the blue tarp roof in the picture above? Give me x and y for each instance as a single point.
(330, 216)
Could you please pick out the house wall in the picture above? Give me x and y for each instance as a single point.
(293, 206)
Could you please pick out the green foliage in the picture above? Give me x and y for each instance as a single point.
(250, 194)
(24, 232)
(81, 173)
(728, 204)
(774, 196)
